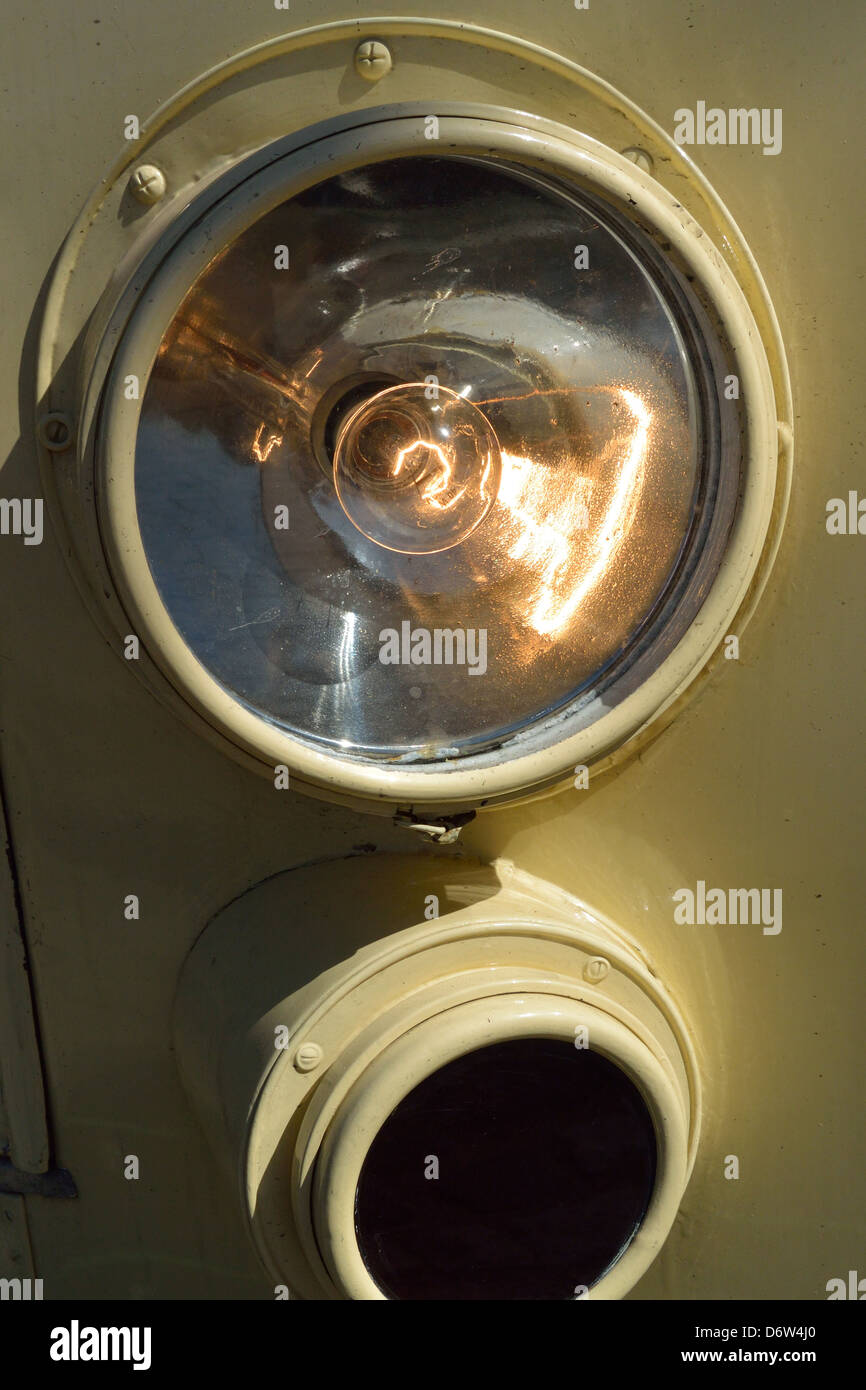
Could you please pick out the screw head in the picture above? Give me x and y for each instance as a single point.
(641, 158)
(147, 184)
(372, 60)
(596, 969)
(55, 431)
(308, 1056)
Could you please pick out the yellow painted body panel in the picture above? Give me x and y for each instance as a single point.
(758, 781)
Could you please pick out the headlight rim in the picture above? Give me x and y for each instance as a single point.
(140, 320)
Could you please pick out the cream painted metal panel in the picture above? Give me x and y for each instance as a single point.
(758, 781)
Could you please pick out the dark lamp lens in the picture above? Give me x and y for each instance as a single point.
(520, 1171)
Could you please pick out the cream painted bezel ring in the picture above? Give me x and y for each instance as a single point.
(356, 1112)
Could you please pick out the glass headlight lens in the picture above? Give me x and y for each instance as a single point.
(429, 420)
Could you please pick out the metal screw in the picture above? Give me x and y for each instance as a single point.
(641, 158)
(308, 1056)
(596, 969)
(372, 60)
(55, 431)
(147, 184)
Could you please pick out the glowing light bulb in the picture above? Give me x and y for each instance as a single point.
(413, 474)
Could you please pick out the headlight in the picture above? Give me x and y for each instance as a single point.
(451, 461)
(503, 1102)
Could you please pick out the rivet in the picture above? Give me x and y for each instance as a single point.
(147, 184)
(596, 969)
(372, 60)
(308, 1056)
(641, 158)
(55, 431)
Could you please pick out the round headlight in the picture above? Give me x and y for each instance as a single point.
(502, 1102)
(449, 467)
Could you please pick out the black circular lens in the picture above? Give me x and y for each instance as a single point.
(521, 1170)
